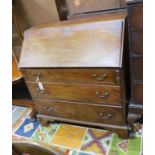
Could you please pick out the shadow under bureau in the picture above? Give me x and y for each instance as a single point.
(75, 72)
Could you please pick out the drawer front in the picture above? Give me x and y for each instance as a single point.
(75, 92)
(81, 112)
(136, 17)
(136, 42)
(105, 76)
(137, 93)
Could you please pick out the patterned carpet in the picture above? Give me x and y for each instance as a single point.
(74, 140)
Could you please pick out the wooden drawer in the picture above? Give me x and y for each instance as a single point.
(136, 17)
(136, 42)
(105, 76)
(80, 111)
(137, 93)
(75, 92)
(136, 68)
(81, 6)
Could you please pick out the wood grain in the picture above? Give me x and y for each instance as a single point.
(79, 75)
(78, 92)
(94, 42)
(81, 111)
(83, 6)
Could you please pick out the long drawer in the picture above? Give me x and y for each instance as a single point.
(80, 111)
(76, 92)
(102, 76)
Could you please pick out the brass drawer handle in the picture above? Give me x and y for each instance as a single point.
(48, 109)
(105, 116)
(100, 78)
(106, 94)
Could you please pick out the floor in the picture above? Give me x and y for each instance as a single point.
(74, 140)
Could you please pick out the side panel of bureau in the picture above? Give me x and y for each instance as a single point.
(77, 92)
(81, 111)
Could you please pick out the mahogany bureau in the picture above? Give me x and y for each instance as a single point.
(75, 72)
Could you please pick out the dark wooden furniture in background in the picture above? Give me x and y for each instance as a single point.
(135, 24)
(76, 72)
(69, 9)
(76, 9)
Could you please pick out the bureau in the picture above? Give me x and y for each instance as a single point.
(75, 72)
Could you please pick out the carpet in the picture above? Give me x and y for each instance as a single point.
(72, 139)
